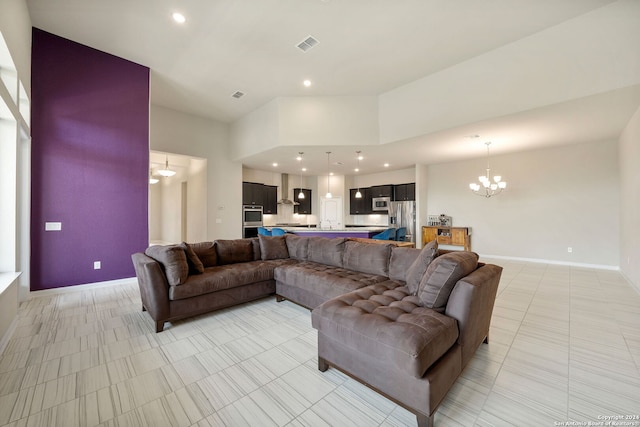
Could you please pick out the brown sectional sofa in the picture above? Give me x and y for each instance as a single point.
(403, 321)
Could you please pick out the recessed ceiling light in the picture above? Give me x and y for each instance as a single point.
(304, 169)
(178, 17)
(386, 165)
(274, 164)
(307, 83)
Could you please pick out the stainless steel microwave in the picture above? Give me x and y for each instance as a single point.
(380, 203)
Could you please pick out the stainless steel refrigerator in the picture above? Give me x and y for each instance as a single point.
(403, 214)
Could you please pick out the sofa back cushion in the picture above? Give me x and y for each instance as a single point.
(273, 247)
(401, 260)
(442, 275)
(326, 251)
(194, 263)
(206, 252)
(173, 260)
(368, 258)
(297, 246)
(234, 251)
(418, 268)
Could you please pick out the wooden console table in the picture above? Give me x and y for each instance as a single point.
(455, 236)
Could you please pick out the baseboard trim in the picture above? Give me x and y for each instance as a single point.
(83, 287)
(554, 262)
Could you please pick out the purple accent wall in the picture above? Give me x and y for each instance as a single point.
(90, 163)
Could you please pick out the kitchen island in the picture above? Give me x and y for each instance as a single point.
(361, 232)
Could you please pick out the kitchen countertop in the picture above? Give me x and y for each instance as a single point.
(333, 230)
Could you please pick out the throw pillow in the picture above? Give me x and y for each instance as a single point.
(401, 260)
(195, 265)
(206, 252)
(327, 251)
(173, 260)
(234, 251)
(442, 275)
(367, 258)
(273, 247)
(419, 266)
(297, 246)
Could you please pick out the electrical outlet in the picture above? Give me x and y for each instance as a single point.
(97, 265)
(569, 249)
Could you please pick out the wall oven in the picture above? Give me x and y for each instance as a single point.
(380, 204)
(251, 220)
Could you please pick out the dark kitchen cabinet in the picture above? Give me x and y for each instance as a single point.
(304, 205)
(361, 206)
(404, 192)
(252, 193)
(356, 206)
(270, 199)
(382, 191)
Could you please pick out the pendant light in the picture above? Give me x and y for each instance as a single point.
(301, 193)
(152, 179)
(328, 195)
(358, 156)
(166, 171)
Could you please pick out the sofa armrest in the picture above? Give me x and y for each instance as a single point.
(471, 304)
(154, 288)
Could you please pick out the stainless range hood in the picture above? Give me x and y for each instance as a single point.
(285, 191)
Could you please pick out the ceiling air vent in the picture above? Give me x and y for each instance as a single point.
(307, 43)
(237, 94)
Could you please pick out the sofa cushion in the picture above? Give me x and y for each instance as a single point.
(401, 260)
(195, 265)
(388, 324)
(419, 266)
(257, 253)
(206, 252)
(442, 275)
(225, 277)
(367, 257)
(273, 247)
(173, 261)
(322, 280)
(326, 251)
(234, 251)
(297, 246)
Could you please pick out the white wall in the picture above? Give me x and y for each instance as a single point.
(510, 78)
(176, 132)
(318, 121)
(15, 25)
(556, 198)
(328, 120)
(629, 147)
(255, 132)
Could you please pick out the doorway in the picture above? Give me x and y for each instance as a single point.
(331, 213)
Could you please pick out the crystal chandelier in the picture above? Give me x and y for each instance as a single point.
(486, 188)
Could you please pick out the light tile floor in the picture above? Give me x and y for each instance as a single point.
(564, 346)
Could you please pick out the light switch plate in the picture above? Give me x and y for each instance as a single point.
(52, 226)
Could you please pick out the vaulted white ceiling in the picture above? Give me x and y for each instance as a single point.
(523, 73)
